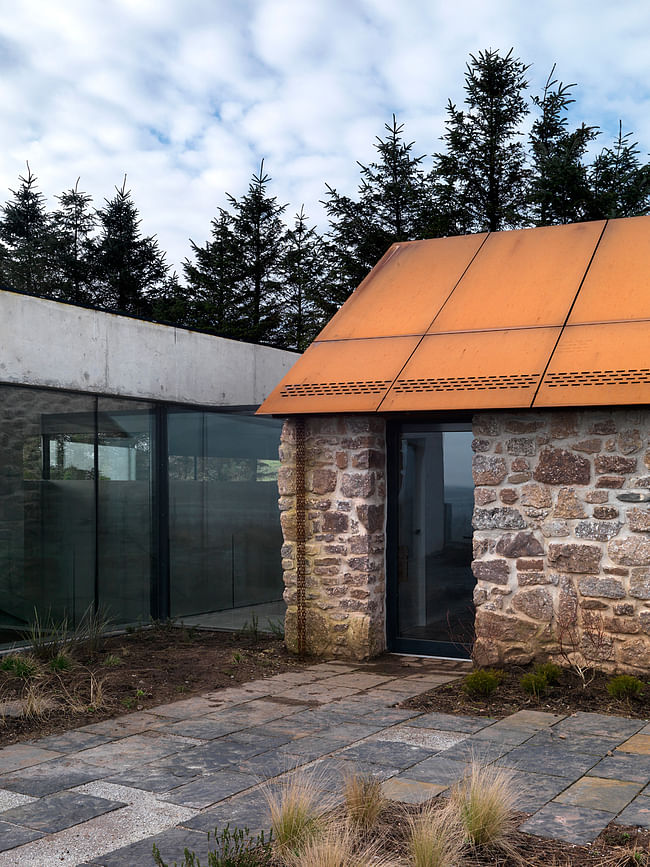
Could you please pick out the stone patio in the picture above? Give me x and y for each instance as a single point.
(101, 795)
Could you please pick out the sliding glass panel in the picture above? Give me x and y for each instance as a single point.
(435, 581)
(225, 534)
(47, 506)
(125, 520)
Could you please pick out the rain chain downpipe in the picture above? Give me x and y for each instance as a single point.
(301, 570)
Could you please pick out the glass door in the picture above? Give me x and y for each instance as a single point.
(430, 601)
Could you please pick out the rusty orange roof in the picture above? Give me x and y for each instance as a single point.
(554, 316)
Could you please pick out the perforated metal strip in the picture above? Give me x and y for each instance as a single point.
(467, 383)
(314, 389)
(575, 378)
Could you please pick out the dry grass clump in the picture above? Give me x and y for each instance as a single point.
(339, 845)
(36, 701)
(297, 810)
(363, 800)
(485, 802)
(436, 837)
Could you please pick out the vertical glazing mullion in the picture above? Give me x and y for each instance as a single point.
(96, 497)
(160, 589)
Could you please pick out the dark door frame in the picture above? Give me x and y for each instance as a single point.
(395, 644)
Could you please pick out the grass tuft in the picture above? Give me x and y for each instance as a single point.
(624, 687)
(340, 845)
(363, 799)
(485, 801)
(436, 837)
(297, 808)
(20, 665)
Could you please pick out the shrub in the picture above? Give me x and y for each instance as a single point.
(534, 683)
(482, 682)
(436, 837)
(624, 687)
(235, 848)
(19, 666)
(485, 802)
(364, 800)
(551, 672)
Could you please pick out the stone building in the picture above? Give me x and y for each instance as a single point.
(467, 444)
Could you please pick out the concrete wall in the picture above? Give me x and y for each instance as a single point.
(57, 345)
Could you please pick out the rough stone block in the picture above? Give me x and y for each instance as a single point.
(600, 531)
(529, 579)
(508, 496)
(530, 564)
(493, 571)
(605, 513)
(630, 551)
(611, 482)
(536, 603)
(640, 583)
(523, 544)
(568, 505)
(479, 445)
(358, 484)
(483, 496)
(614, 464)
(371, 516)
(596, 497)
(498, 519)
(590, 446)
(629, 442)
(536, 495)
(639, 520)
(488, 470)
(575, 558)
(322, 481)
(607, 588)
(555, 528)
(335, 522)
(523, 426)
(562, 467)
(519, 478)
(603, 427)
(521, 446)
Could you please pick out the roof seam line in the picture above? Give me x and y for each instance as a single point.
(573, 303)
(415, 348)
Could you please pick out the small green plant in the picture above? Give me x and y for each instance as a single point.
(551, 672)
(276, 628)
(20, 666)
(47, 637)
(129, 702)
(482, 682)
(534, 683)
(60, 662)
(363, 800)
(236, 848)
(624, 687)
(112, 660)
(251, 630)
(92, 627)
(140, 693)
(237, 657)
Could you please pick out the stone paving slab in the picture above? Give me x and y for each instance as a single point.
(636, 813)
(579, 825)
(56, 812)
(53, 776)
(15, 835)
(71, 742)
(551, 760)
(123, 726)
(430, 739)
(452, 722)
(208, 790)
(501, 733)
(249, 810)
(469, 750)
(532, 791)
(204, 728)
(133, 750)
(390, 753)
(153, 778)
(23, 755)
(623, 766)
(597, 745)
(444, 772)
(171, 843)
(410, 791)
(638, 744)
(582, 723)
(599, 794)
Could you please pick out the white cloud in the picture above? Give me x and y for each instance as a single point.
(186, 96)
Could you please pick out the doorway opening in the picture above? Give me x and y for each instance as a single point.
(430, 580)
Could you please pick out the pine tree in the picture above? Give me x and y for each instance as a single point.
(129, 269)
(303, 271)
(27, 239)
(259, 237)
(214, 278)
(391, 207)
(73, 224)
(559, 187)
(620, 183)
(481, 180)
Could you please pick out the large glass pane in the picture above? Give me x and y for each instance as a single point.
(435, 581)
(224, 523)
(124, 508)
(47, 506)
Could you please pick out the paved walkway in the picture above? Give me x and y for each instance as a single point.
(100, 795)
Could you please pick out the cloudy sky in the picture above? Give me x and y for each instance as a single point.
(186, 96)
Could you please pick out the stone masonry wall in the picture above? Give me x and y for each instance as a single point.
(345, 478)
(557, 556)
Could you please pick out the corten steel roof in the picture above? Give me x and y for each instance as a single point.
(554, 316)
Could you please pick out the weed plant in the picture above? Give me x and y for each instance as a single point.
(20, 666)
(236, 848)
(112, 660)
(48, 638)
(363, 800)
(625, 687)
(482, 682)
(550, 671)
(534, 683)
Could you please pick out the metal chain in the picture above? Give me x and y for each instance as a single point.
(301, 565)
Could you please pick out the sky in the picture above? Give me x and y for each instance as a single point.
(186, 97)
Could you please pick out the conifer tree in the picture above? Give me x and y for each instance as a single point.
(27, 239)
(72, 225)
(481, 179)
(620, 183)
(559, 184)
(129, 269)
(391, 207)
(303, 270)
